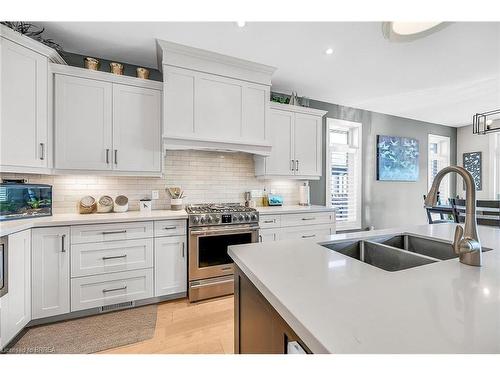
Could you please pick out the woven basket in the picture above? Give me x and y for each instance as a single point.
(87, 205)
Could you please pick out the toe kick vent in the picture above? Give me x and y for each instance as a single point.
(116, 306)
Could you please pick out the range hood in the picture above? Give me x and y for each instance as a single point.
(213, 101)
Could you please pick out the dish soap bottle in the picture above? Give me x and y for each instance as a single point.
(265, 201)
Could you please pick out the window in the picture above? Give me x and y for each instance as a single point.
(343, 177)
(495, 167)
(439, 157)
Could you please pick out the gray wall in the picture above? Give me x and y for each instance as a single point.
(385, 204)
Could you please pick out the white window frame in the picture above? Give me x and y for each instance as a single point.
(439, 138)
(495, 166)
(355, 143)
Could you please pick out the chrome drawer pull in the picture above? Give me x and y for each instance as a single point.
(308, 218)
(42, 151)
(63, 248)
(309, 236)
(226, 268)
(115, 232)
(114, 289)
(183, 253)
(169, 228)
(115, 257)
(269, 221)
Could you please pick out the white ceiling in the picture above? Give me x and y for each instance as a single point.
(443, 78)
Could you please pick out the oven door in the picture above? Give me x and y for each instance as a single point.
(208, 255)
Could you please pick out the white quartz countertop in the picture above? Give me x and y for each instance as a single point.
(9, 227)
(337, 304)
(276, 210)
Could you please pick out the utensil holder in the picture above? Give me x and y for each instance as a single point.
(176, 204)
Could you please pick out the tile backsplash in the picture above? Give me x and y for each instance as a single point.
(205, 176)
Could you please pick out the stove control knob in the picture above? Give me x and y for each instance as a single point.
(202, 219)
(235, 218)
(209, 219)
(254, 217)
(247, 217)
(216, 219)
(241, 217)
(196, 220)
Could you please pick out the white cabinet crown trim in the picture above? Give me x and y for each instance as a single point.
(298, 109)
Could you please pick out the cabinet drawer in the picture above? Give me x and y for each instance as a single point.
(270, 221)
(113, 256)
(308, 232)
(102, 290)
(308, 218)
(111, 232)
(165, 228)
(268, 235)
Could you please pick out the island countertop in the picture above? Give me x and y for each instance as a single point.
(337, 304)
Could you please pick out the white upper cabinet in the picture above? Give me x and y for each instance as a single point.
(106, 123)
(296, 134)
(25, 142)
(83, 123)
(136, 129)
(213, 101)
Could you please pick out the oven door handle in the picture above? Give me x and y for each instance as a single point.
(223, 231)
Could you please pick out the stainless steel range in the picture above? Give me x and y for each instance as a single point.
(212, 228)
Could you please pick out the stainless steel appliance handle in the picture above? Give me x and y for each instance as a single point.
(115, 257)
(107, 156)
(223, 230)
(63, 240)
(116, 157)
(42, 151)
(115, 232)
(194, 286)
(114, 289)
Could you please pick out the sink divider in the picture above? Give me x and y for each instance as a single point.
(405, 251)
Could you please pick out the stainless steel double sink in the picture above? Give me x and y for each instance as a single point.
(395, 252)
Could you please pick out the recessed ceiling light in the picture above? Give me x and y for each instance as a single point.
(329, 51)
(407, 31)
(241, 23)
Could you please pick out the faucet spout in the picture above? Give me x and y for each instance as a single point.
(466, 243)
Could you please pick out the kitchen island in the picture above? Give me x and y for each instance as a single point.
(298, 290)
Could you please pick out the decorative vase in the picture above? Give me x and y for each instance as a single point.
(142, 73)
(116, 68)
(91, 63)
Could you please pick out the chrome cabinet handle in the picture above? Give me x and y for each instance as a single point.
(107, 156)
(115, 257)
(114, 232)
(183, 255)
(296, 165)
(114, 289)
(116, 157)
(309, 236)
(260, 237)
(308, 218)
(169, 228)
(42, 151)
(292, 164)
(63, 248)
(270, 221)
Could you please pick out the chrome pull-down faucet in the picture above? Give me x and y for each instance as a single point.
(466, 242)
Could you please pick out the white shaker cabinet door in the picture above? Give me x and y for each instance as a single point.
(280, 161)
(255, 113)
(170, 265)
(16, 304)
(83, 123)
(178, 102)
(136, 129)
(24, 122)
(50, 272)
(307, 144)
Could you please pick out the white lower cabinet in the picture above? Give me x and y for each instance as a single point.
(89, 259)
(15, 310)
(50, 271)
(118, 287)
(170, 265)
(268, 235)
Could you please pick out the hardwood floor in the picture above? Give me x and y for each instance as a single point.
(189, 328)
